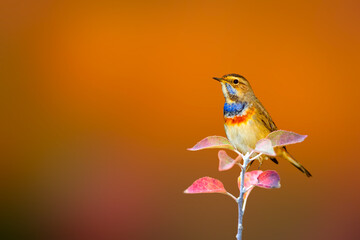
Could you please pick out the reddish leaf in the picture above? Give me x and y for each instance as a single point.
(265, 146)
(225, 161)
(268, 179)
(206, 185)
(212, 142)
(282, 138)
(251, 178)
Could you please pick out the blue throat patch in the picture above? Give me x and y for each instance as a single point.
(230, 89)
(234, 109)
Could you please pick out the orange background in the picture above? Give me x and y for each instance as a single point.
(100, 100)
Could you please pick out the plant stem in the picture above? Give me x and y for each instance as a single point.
(240, 199)
(232, 196)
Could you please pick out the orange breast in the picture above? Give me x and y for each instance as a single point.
(242, 118)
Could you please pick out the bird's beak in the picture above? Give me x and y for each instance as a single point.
(217, 79)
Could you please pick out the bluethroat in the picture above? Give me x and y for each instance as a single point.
(246, 119)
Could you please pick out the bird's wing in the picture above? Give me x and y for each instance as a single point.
(264, 116)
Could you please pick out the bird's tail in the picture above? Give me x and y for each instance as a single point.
(284, 154)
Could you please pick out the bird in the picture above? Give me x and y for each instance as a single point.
(247, 121)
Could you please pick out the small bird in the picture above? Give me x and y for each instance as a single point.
(247, 121)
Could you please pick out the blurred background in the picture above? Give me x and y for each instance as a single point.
(100, 99)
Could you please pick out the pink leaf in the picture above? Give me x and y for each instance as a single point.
(268, 179)
(225, 161)
(251, 178)
(212, 142)
(282, 138)
(265, 146)
(206, 185)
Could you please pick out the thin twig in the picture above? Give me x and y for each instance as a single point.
(251, 186)
(235, 150)
(232, 196)
(244, 204)
(256, 156)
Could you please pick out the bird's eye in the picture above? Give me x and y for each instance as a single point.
(236, 81)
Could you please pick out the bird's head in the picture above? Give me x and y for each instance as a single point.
(235, 87)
